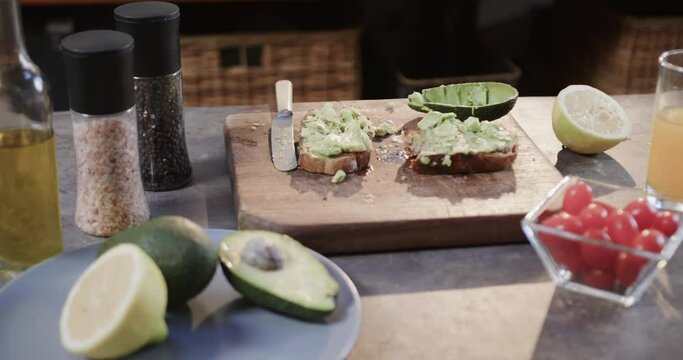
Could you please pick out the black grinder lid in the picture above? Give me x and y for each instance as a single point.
(99, 71)
(155, 27)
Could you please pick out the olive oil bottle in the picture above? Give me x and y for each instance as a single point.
(30, 229)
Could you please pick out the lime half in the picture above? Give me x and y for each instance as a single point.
(116, 306)
(588, 121)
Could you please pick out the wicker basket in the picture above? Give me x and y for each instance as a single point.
(241, 69)
(614, 52)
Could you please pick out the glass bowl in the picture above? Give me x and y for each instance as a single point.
(564, 254)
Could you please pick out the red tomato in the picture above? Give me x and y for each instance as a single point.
(577, 197)
(650, 240)
(571, 259)
(599, 279)
(643, 213)
(593, 216)
(545, 215)
(666, 222)
(562, 221)
(610, 209)
(622, 228)
(628, 268)
(564, 251)
(598, 257)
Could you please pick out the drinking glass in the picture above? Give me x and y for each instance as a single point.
(665, 171)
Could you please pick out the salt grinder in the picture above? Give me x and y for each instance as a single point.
(99, 72)
(164, 161)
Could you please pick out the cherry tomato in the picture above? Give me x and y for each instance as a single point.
(545, 215)
(650, 240)
(666, 222)
(577, 197)
(570, 258)
(593, 216)
(622, 228)
(628, 268)
(564, 251)
(599, 279)
(643, 213)
(598, 257)
(610, 209)
(562, 221)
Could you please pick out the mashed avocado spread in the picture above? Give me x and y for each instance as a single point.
(444, 134)
(327, 132)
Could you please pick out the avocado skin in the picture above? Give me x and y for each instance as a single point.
(484, 113)
(271, 301)
(462, 112)
(184, 254)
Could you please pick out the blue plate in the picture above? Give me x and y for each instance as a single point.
(217, 324)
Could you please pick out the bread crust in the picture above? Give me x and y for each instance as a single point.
(348, 162)
(460, 163)
(465, 163)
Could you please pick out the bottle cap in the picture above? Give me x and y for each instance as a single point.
(155, 27)
(99, 71)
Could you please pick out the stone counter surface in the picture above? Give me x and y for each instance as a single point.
(493, 302)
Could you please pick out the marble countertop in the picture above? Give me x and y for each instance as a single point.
(493, 302)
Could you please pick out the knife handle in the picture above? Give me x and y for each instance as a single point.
(283, 94)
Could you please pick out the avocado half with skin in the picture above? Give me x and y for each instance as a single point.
(180, 247)
(483, 100)
(277, 272)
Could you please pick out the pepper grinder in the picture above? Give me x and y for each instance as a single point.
(164, 161)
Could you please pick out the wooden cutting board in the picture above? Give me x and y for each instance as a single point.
(390, 207)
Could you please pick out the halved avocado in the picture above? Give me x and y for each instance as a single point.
(180, 247)
(277, 272)
(483, 100)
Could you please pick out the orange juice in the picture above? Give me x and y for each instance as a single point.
(665, 173)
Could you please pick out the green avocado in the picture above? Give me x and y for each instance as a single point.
(181, 249)
(327, 132)
(277, 272)
(483, 100)
(445, 134)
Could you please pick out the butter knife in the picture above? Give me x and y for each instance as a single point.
(282, 130)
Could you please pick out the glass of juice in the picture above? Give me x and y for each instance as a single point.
(665, 173)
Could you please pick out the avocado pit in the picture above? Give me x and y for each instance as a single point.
(263, 254)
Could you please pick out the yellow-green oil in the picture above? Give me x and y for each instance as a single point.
(30, 227)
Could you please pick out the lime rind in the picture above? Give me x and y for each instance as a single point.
(139, 313)
(588, 121)
(601, 110)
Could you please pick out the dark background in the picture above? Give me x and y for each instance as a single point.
(403, 41)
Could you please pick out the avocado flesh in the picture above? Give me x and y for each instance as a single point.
(326, 132)
(302, 287)
(182, 250)
(445, 134)
(484, 100)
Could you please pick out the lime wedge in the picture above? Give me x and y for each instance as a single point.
(116, 306)
(588, 121)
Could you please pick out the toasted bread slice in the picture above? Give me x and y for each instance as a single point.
(459, 163)
(465, 163)
(348, 162)
(335, 139)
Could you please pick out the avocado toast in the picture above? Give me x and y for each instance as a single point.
(332, 140)
(441, 144)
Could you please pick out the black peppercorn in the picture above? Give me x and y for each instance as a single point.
(164, 162)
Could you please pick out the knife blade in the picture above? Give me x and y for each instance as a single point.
(282, 129)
